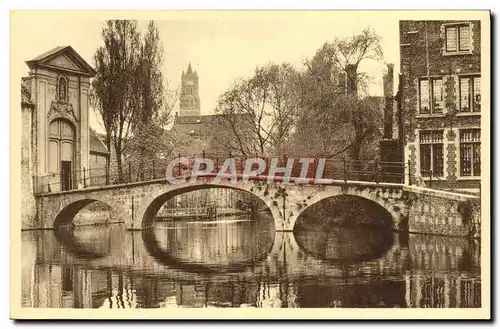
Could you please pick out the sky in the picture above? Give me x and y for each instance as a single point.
(221, 49)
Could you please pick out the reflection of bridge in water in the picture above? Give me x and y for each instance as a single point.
(227, 258)
(121, 263)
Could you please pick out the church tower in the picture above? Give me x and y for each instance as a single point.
(189, 99)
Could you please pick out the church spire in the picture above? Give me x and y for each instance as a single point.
(189, 99)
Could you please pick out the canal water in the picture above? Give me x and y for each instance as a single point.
(240, 261)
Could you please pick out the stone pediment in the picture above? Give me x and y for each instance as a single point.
(64, 59)
(64, 62)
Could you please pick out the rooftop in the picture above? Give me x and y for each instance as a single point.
(96, 143)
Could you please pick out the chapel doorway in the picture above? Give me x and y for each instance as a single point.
(61, 152)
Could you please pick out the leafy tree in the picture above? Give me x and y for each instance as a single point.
(149, 140)
(148, 87)
(115, 63)
(129, 95)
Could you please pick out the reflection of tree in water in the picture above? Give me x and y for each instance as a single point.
(345, 229)
(219, 197)
(345, 244)
(351, 292)
(471, 257)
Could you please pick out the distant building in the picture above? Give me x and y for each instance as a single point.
(99, 157)
(189, 98)
(200, 131)
(440, 99)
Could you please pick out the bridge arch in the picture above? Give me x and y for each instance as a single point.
(73, 206)
(151, 204)
(376, 196)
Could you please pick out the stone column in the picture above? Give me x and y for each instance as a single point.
(28, 202)
(83, 99)
(411, 157)
(451, 164)
(41, 133)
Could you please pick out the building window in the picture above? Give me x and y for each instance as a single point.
(458, 38)
(470, 94)
(431, 97)
(431, 153)
(470, 152)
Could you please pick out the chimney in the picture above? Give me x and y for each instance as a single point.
(388, 82)
(352, 79)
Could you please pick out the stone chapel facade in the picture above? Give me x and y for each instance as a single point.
(56, 137)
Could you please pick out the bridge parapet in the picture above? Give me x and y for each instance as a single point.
(262, 167)
(412, 208)
(443, 212)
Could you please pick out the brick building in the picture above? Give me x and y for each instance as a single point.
(440, 101)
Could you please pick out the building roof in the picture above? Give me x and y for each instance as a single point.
(196, 125)
(199, 125)
(96, 143)
(64, 58)
(47, 53)
(197, 119)
(206, 130)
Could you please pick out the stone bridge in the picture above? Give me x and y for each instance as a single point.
(411, 208)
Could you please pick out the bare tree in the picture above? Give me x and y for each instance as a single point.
(348, 54)
(322, 125)
(284, 102)
(334, 118)
(258, 113)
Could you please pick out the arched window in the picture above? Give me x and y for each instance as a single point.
(61, 151)
(62, 89)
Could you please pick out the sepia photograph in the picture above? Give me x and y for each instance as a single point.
(260, 164)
